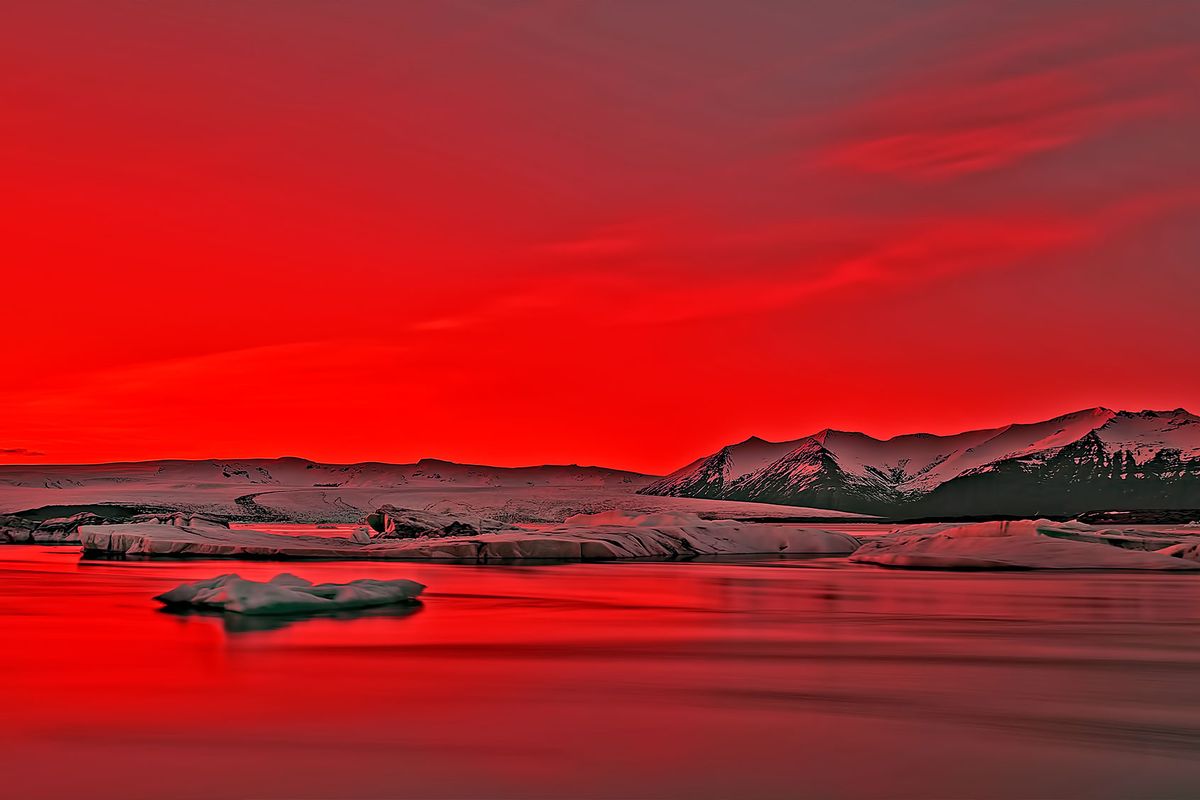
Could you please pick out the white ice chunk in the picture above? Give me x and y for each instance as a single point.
(1020, 544)
(611, 535)
(1189, 551)
(288, 594)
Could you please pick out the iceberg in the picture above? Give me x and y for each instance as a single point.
(58, 530)
(606, 536)
(613, 535)
(1025, 544)
(65, 530)
(1186, 550)
(288, 594)
(152, 540)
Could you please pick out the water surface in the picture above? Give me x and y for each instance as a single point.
(808, 678)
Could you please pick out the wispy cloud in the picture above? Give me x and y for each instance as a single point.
(948, 153)
(921, 253)
(19, 451)
(987, 121)
(693, 277)
(592, 246)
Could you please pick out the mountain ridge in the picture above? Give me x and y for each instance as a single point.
(295, 471)
(1074, 462)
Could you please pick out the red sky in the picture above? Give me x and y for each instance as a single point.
(622, 233)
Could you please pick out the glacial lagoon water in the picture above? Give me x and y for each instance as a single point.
(770, 678)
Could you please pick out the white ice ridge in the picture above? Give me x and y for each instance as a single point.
(611, 535)
(1029, 544)
(1020, 544)
(288, 594)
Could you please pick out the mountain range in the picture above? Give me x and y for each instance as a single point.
(1087, 460)
(1091, 460)
(300, 472)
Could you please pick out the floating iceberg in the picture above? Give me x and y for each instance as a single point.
(58, 530)
(288, 594)
(150, 540)
(1026, 544)
(65, 530)
(612, 535)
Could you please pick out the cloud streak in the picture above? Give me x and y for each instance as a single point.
(987, 121)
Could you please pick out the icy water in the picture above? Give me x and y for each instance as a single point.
(645, 680)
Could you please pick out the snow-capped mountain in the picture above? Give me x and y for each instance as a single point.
(1091, 459)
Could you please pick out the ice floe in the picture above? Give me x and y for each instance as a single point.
(65, 530)
(611, 535)
(1026, 544)
(288, 594)
(1019, 544)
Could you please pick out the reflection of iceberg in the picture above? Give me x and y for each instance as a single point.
(255, 623)
(288, 594)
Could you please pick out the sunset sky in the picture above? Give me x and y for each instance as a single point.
(622, 233)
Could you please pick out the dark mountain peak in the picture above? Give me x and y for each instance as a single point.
(1148, 413)
(754, 440)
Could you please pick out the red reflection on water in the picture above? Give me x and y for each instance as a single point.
(603, 680)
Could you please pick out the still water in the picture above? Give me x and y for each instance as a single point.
(781, 679)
